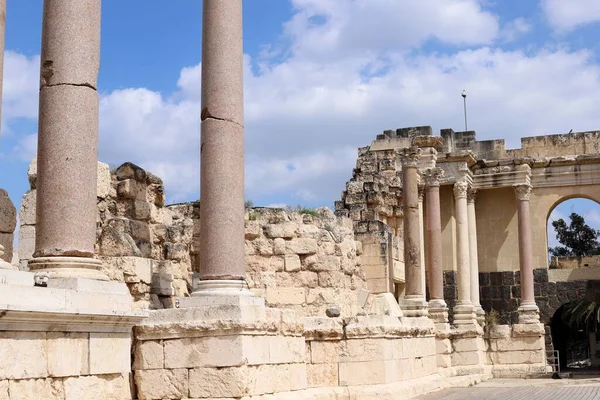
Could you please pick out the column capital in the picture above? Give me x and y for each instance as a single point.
(460, 189)
(523, 191)
(433, 176)
(471, 195)
(410, 156)
(421, 192)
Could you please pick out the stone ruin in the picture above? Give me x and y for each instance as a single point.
(119, 296)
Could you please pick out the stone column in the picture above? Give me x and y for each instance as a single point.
(68, 141)
(422, 240)
(438, 310)
(474, 259)
(528, 310)
(222, 151)
(413, 304)
(464, 312)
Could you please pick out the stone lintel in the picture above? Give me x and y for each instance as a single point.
(458, 156)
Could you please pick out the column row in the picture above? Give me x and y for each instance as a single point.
(468, 309)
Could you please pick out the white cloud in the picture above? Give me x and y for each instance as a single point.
(336, 89)
(566, 15)
(514, 29)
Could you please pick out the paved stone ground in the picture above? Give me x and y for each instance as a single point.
(527, 389)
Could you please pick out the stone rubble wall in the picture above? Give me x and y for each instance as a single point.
(304, 262)
(8, 223)
(575, 262)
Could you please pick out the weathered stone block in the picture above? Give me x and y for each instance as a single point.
(105, 387)
(292, 263)
(286, 349)
(149, 355)
(301, 246)
(68, 353)
(285, 230)
(518, 357)
(110, 353)
(162, 384)
(4, 390)
(219, 351)
(326, 352)
(286, 295)
(322, 375)
(28, 389)
(31, 351)
(218, 382)
(277, 378)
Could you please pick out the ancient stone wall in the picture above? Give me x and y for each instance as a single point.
(306, 262)
(8, 222)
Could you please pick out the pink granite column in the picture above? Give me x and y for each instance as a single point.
(474, 258)
(68, 140)
(222, 149)
(413, 304)
(464, 312)
(528, 309)
(438, 309)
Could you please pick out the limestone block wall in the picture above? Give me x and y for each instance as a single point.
(516, 351)
(575, 262)
(307, 263)
(8, 222)
(64, 365)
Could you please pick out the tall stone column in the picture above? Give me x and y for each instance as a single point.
(528, 309)
(464, 312)
(474, 259)
(422, 240)
(222, 151)
(68, 140)
(438, 310)
(413, 304)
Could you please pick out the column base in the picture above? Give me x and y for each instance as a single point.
(464, 314)
(67, 267)
(529, 313)
(480, 314)
(438, 311)
(221, 287)
(5, 265)
(414, 306)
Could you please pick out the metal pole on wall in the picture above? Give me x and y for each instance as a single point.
(464, 95)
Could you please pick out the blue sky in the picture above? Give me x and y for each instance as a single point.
(323, 77)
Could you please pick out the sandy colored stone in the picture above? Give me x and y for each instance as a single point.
(149, 354)
(220, 351)
(29, 348)
(104, 181)
(286, 295)
(68, 353)
(110, 353)
(8, 213)
(292, 263)
(284, 230)
(322, 375)
(162, 383)
(105, 387)
(27, 210)
(27, 389)
(264, 379)
(218, 382)
(301, 246)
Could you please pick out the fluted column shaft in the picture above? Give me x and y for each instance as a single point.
(422, 240)
(68, 140)
(434, 236)
(464, 310)
(528, 310)
(474, 259)
(222, 146)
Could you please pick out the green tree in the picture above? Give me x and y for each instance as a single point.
(578, 239)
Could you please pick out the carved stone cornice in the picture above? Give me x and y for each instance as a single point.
(460, 189)
(523, 192)
(433, 176)
(471, 195)
(409, 157)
